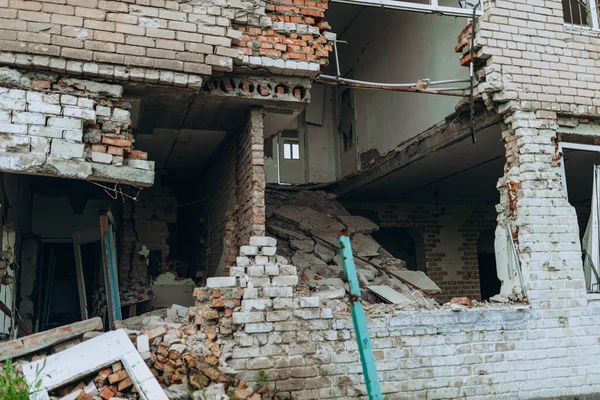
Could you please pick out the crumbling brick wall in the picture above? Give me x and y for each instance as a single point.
(60, 126)
(167, 42)
(237, 207)
(299, 33)
(303, 348)
(450, 235)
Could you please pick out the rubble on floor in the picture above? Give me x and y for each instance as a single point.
(179, 345)
(306, 225)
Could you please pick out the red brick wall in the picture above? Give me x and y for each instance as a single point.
(450, 235)
(235, 187)
(251, 179)
(309, 46)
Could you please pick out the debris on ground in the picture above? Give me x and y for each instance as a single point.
(306, 225)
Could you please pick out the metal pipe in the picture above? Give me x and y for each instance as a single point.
(383, 87)
(337, 59)
(450, 89)
(429, 83)
(361, 328)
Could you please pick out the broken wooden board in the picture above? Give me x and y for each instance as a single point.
(388, 294)
(74, 363)
(29, 344)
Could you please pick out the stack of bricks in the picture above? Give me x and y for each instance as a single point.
(464, 46)
(298, 39)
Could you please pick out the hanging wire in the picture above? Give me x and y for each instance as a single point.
(115, 191)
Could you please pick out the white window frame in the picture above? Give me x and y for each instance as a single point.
(595, 253)
(432, 8)
(572, 146)
(78, 361)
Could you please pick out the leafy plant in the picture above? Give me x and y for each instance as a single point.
(13, 386)
(326, 372)
(263, 379)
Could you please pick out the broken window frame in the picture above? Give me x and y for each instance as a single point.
(595, 250)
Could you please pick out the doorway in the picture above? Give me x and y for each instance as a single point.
(486, 257)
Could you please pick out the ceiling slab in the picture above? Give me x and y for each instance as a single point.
(462, 173)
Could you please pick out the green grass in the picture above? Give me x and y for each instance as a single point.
(12, 385)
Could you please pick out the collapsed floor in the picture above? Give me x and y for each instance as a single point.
(307, 225)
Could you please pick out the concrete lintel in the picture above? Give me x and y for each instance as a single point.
(455, 129)
(260, 90)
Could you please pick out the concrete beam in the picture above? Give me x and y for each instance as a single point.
(424, 144)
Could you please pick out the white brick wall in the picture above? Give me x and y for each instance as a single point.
(43, 132)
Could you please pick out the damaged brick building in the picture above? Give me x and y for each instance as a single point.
(148, 147)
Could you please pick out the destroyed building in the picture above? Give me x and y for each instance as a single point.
(205, 154)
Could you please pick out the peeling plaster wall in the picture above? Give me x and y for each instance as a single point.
(450, 237)
(399, 47)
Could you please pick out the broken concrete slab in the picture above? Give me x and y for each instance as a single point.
(124, 174)
(388, 294)
(420, 280)
(364, 246)
(287, 234)
(324, 253)
(307, 219)
(330, 283)
(358, 224)
(306, 246)
(289, 214)
(304, 260)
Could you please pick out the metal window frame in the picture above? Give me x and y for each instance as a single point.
(432, 8)
(592, 10)
(572, 146)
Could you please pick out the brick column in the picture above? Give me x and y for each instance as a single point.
(251, 178)
(544, 224)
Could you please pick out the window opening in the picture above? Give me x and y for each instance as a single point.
(291, 146)
(576, 12)
(580, 169)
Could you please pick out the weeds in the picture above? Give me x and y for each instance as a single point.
(12, 385)
(263, 379)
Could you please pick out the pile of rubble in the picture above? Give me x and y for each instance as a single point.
(307, 224)
(184, 348)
